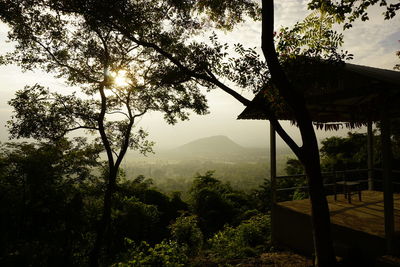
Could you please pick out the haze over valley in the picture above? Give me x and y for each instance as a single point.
(174, 169)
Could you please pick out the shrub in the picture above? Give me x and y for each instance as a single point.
(127, 224)
(216, 203)
(186, 232)
(166, 254)
(246, 240)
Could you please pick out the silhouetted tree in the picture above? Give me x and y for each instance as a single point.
(43, 220)
(90, 55)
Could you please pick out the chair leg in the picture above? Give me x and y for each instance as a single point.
(359, 194)
(348, 193)
(334, 191)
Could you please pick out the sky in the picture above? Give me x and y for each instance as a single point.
(373, 43)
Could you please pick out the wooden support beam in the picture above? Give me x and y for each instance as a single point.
(387, 180)
(273, 162)
(370, 148)
(272, 156)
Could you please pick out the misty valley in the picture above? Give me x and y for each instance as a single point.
(173, 170)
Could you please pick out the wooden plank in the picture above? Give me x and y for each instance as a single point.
(294, 228)
(365, 216)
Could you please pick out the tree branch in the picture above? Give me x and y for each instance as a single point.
(76, 128)
(118, 112)
(81, 127)
(278, 76)
(63, 64)
(284, 135)
(294, 99)
(125, 142)
(140, 114)
(183, 68)
(102, 130)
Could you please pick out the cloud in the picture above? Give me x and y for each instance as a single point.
(374, 42)
(288, 12)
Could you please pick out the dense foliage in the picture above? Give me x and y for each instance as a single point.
(51, 199)
(166, 253)
(185, 232)
(44, 218)
(248, 239)
(118, 80)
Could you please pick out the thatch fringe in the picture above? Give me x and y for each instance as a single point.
(339, 125)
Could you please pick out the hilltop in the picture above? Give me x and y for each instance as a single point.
(213, 145)
(218, 147)
(212, 148)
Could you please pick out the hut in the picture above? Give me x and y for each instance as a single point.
(341, 95)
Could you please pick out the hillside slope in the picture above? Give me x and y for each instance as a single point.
(214, 147)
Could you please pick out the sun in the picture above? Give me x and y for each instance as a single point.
(120, 79)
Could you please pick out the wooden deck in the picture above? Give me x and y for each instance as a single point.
(366, 216)
(358, 225)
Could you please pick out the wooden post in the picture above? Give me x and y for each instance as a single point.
(272, 144)
(273, 162)
(387, 181)
(370, 138)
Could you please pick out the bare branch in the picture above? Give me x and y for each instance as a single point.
(139, 114)
(81, 127)
(284, 135)
(118, 112)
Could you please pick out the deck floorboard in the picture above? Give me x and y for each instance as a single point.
(366, 216)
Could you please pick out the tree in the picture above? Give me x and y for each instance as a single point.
(308, 152)
(312, 37)
(202, 63)
(345, 153)
(86, 54)
(216, 203)
(43, 215)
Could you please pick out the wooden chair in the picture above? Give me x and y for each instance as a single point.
(349, 188)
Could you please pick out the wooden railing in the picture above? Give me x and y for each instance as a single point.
(335, 176)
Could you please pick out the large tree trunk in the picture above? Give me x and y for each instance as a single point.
(309, 153)
(104, 225)
(320, 217)
(103, 229)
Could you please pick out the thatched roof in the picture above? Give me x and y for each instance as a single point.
(354, 95)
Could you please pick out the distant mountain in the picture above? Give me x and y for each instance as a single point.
(214, 147)
(211, 149)
(212, 144)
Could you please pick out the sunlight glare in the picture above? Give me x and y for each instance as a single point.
(120, 78)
